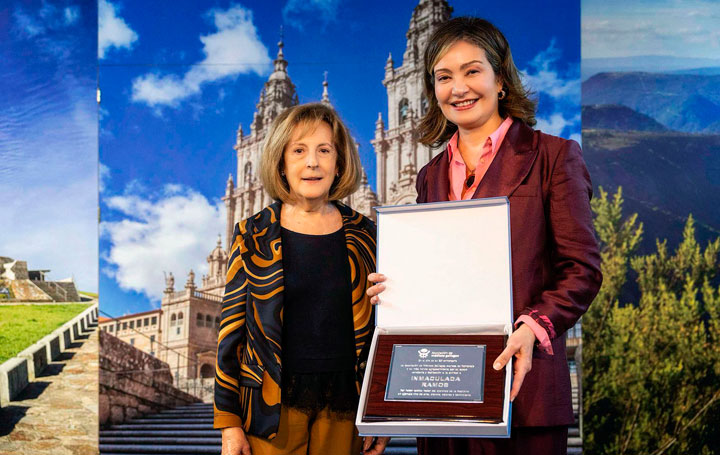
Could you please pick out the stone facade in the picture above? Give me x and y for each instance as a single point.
(398, 154)
(141, 330)
(245, 196)
(188, 319)
(17, 283)
(133, 383)
(183, 332)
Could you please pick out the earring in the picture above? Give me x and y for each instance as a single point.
(282, 173)
(501, 94)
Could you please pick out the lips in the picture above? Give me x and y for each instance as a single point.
(464, 104)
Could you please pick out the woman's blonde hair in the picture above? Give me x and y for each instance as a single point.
(434, 128)
(308, 117)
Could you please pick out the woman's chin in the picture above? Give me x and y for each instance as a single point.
(311, 197)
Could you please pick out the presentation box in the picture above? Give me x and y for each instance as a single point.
(444, 317)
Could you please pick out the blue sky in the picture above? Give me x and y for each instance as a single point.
(176, 83)
(48, 137)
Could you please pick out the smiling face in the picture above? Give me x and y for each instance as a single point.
(466, 86)
(310, 163)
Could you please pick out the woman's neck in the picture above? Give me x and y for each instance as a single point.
(472, 140)
(309, 217)
(476, 137)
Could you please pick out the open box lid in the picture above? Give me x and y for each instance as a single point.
(447, 264)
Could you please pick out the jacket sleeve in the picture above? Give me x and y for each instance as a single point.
(231, 340)
(574, 252)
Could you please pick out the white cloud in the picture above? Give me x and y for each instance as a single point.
(681, 29)
(48, 17)
(50, 195)
(296, 12)
(233, 49)
(172, 232)
(113, 31)
(543, 76)
(72, 14)
(557, 90)
(55, 227)
(556, 123)
(28, 24)
(103, 176)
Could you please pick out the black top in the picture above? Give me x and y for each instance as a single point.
(318, 352)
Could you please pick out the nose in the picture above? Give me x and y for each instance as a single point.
(311, 159)
(459, 87)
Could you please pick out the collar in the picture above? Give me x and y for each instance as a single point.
(495, 139)
(269, 218)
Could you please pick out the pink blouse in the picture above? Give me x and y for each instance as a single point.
(460, 191)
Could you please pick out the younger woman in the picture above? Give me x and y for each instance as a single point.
(479, 107)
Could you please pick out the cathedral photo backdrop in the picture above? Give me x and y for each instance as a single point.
(183, 102)
(187, 96)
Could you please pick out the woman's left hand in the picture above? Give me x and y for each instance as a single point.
(520, 344)
(374, 449)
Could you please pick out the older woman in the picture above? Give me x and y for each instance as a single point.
(479, 108)
(296, 323)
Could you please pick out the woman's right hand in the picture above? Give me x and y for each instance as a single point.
(374, 291)
(234, 442)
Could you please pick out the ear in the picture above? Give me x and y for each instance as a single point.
(498, 83)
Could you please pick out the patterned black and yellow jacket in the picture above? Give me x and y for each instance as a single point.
(247, 372)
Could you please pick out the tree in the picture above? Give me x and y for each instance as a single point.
(652, 367)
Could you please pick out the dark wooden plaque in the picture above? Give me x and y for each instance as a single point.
(490, 410)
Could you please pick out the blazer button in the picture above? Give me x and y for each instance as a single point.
(363, 365)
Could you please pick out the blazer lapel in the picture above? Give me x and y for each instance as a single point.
(438, 179)
(263, 257)
(511, 165)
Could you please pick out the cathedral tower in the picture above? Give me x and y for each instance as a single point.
(398, 154)
(248, 196)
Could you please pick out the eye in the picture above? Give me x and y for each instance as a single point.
(297, 151)
(442, 78)
(325, 150)
(473, 71)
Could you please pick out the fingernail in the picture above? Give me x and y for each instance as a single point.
(497, 365)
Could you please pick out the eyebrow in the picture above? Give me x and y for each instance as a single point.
(326, 144)
(463, 66)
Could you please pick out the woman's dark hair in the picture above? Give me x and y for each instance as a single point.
(434, 128)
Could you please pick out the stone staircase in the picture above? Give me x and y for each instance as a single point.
(574, 440)
(186, 430)
(59, 292)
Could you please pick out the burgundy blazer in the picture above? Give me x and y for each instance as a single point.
(555, 257)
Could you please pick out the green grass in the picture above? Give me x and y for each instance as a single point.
(89, 294)
(23, 325)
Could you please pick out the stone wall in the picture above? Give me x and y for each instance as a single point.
(27, 291)
(133, 383)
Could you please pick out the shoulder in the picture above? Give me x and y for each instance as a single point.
(435, 161)
(563, 162)
(259, 221)
(355, 219)
(555, 146)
